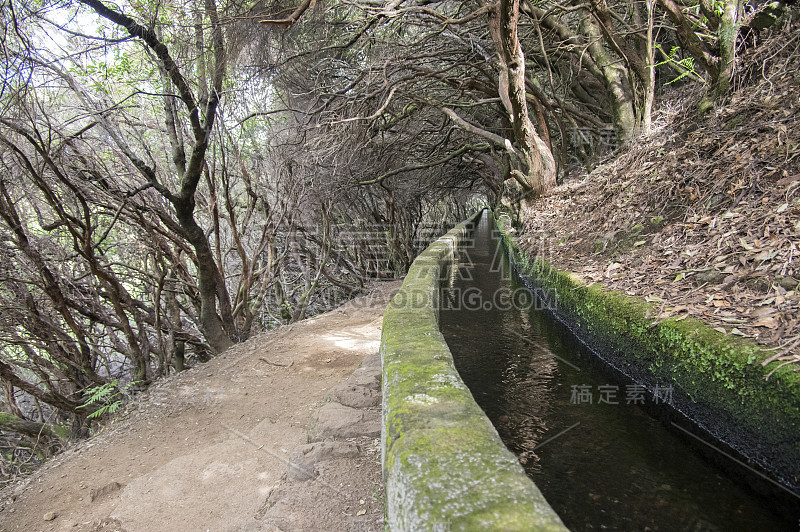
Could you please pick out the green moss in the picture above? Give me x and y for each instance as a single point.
(31, 428)
(733, 122)
(62, 431)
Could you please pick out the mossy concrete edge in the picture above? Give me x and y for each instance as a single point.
(717, 380)
(444, 465)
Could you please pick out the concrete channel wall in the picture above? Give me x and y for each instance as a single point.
(444, 465)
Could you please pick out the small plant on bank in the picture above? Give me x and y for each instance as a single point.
(109, 396)
(685, 66)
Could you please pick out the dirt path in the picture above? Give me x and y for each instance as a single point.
(211, 448)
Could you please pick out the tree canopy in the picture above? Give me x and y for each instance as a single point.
(179, 175)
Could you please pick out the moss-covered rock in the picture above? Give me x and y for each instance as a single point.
(445, 467)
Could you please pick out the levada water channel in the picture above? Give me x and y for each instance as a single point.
(590, 441)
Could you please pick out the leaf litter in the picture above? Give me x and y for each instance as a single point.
(702, 217)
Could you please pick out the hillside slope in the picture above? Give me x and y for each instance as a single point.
(703, 216)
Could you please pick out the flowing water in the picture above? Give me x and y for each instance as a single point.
(586, 439)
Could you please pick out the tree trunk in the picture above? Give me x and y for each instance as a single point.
(57, 400)
(727, 36)
(49, 435)
(650, 71)
(533, 167)
(615, 78)
(207, 276)
(176, 326)
(11, 399)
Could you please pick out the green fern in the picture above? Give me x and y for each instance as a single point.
(108, 396)
(686, 63)
(96, 393)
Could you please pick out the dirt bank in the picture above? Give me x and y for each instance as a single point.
(702, 217)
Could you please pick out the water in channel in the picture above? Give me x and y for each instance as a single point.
(601, 461)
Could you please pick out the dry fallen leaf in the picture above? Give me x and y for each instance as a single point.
(768, 322)
(762, 312)
(766, 255)
(790, 179)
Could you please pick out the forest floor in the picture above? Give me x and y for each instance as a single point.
(702, 217)
(259, 438)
